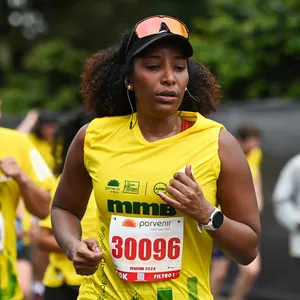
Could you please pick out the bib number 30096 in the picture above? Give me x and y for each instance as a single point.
(146, 249)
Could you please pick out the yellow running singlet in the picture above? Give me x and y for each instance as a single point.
(151, 250)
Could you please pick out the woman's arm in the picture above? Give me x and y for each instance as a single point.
(239, 235)
(46, 240)
(259, 193)
(35, 199)
(29, 121)
(71, 197)
(68, 208)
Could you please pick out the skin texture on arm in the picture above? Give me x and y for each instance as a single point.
(46, 240)
(259, 193)
(29, 121)
(69, 205)
(71, 196)
(36, 200)
(236, 196)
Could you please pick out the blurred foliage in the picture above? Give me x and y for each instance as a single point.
(44, 68)
(50, 79)
(252, 46)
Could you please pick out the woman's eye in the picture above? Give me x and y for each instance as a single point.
(152, 67)
(180, 68)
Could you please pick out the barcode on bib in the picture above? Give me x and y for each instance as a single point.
(141, 276)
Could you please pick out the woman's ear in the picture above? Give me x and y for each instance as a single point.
(127, 81)
(128, 84)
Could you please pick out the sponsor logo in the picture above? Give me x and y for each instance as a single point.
(153, 224)
(160, 187)
(140, 208)
(113, 186)
(128, 223)
(131, 187)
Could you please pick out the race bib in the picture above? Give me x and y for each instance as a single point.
(1, 233)
(146, 249)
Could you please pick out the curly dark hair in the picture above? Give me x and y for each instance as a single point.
(65, 132)
(104, 92)
(45, 116)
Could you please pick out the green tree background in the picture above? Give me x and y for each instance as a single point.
(253, 47)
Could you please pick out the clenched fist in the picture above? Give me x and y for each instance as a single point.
(85, 256)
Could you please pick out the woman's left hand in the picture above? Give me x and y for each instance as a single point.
(188, 196)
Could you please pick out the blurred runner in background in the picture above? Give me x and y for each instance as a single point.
(40, 127)
(249, 138)
(286, 201)
(23, 175)
(60, 279)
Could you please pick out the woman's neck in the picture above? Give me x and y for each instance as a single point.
(154, 129)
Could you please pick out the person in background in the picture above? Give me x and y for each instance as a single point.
(158, 168)
(286, 203)
(23, 175)
(40, 127)
(249, 138)
(25, 227)
(60, 279)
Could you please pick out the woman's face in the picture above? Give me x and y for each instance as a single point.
(48, 130)
(159, 80)
(250, 143)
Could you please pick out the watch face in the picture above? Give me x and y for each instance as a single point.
(217, 220)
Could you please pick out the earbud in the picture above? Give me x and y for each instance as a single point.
(185, 89)
(129, 87)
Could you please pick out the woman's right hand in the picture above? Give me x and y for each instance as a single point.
(85, 256)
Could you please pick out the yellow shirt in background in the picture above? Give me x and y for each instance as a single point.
(44, 148)
(60, 269)
(254, 158)
(151, 251)
(17, 145)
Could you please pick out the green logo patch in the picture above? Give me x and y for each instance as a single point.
(131, 187)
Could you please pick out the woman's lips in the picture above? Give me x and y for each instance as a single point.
(164, 98)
